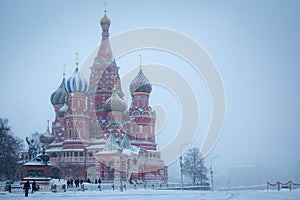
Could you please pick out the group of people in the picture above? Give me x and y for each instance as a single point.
(27, 187)
(76, 182)
(70, 183)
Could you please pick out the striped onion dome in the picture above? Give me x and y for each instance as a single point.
(115, 103)
(58, 97)
(140, 84)
(76, 83)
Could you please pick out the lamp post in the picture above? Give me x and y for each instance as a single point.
(59, 164)
(181, 164)
(181, 171)
(211, 173)
(121, 163)
(85, 173)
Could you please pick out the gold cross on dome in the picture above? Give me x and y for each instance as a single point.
(77, 54)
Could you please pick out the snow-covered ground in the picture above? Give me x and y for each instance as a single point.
(160, 194)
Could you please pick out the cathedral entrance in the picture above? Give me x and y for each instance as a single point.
(91, 173)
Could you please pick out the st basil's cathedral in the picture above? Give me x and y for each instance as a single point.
(94, 134)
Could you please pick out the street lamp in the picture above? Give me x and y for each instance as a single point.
(211, 173)
(121, 163)
(181, 171)
(181, 164)
(85, 173)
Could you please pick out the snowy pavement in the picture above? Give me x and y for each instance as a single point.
(161, 195)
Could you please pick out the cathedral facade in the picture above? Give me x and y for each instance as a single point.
(95, 134)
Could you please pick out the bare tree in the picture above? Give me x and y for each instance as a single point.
(9, 151)
(193, 167)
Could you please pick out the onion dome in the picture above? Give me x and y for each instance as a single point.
(58, 97)
(76, 83)
(47, 137)
(115, 103)
(62, 110)
(105, 23)
(105, 19)
(140, 83)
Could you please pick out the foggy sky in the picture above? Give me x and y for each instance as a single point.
(254, 44)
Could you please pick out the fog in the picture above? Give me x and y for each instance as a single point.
(255, 46)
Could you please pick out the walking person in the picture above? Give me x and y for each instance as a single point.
(33, 187)
(26, 188)
(9, 188)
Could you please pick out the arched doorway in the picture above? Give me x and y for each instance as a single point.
(91, 173)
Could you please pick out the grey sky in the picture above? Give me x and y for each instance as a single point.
(255, 45)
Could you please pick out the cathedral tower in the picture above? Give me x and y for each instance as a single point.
(103, 73)
(76, 116)
(142, 118)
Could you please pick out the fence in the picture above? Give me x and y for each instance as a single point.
(127, 186)
(280, 185)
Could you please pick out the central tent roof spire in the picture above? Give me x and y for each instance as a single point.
(105, 53)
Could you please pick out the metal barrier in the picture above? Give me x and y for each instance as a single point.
(280, 185)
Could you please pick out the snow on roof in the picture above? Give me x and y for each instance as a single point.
(36, 163)
(75, 140)
(96, 146)
(54, 149)
(129, 151)
(72, 150)
(153, 151)
(141, 142)
(102, 140)
(55, 144)
(108, 152)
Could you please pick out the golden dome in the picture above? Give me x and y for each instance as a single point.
(105, 19)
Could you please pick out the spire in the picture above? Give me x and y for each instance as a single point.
(48, 124)
(64, 71)
(141, 67)
(105, 53)
(77, 60)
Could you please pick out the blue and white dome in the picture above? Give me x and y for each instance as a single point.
(76, 83)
